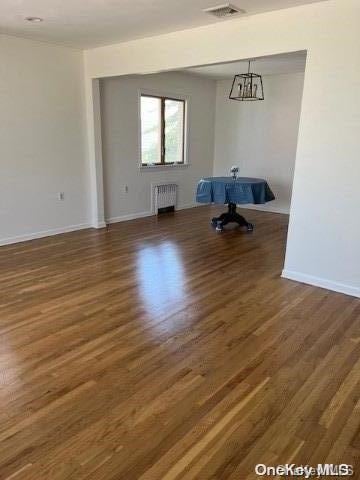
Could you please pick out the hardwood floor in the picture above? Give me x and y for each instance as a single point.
(163, 350)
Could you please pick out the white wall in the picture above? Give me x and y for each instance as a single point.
(120, 141)
(324, 233)
(42, 140)
(261, 137)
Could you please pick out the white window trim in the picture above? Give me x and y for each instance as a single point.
(174, 95)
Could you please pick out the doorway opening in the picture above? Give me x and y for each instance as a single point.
(179, 126)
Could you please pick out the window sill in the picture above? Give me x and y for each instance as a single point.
(164, 167)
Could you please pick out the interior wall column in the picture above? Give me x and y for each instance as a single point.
(93, 111)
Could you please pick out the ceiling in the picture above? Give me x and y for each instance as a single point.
(92, 23)
(271, 65)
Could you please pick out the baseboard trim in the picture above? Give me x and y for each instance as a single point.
(42, 234)
(134, 216)
(269, 209)
(322, 283)
(189, 205)
(98, 225)
(130, 216)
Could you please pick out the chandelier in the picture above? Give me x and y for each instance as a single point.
(247, 87)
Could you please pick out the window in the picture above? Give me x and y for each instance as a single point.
(162, 130)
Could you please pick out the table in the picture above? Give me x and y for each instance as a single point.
(233, 192)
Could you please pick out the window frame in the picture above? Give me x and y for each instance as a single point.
(162, 99)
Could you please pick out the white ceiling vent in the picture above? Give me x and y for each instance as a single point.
(223, 11)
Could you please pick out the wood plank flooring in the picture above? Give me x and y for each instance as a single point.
(163, 350)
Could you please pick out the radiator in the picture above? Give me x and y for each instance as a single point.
(165, 196)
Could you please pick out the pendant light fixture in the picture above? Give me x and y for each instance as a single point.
(247, 87)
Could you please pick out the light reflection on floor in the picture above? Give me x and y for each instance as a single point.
(161, 276)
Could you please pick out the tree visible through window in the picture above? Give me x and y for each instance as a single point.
(162, 130)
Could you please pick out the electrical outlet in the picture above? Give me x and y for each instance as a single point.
(61, 196)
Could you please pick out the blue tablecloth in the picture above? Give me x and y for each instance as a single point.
(239, 191)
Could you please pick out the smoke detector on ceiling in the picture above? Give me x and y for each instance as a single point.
(223, 11)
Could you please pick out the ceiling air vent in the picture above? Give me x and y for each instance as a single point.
(223, 11)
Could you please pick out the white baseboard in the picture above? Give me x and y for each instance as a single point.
(43, 233)
(269, 208)
(134, 216)
(130, 216)
(322, 283)
(82, 226)
(189, 205)
(98, 225)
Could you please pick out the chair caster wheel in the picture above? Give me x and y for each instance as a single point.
(250, 227)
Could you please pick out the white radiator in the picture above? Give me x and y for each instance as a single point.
(164, 196)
